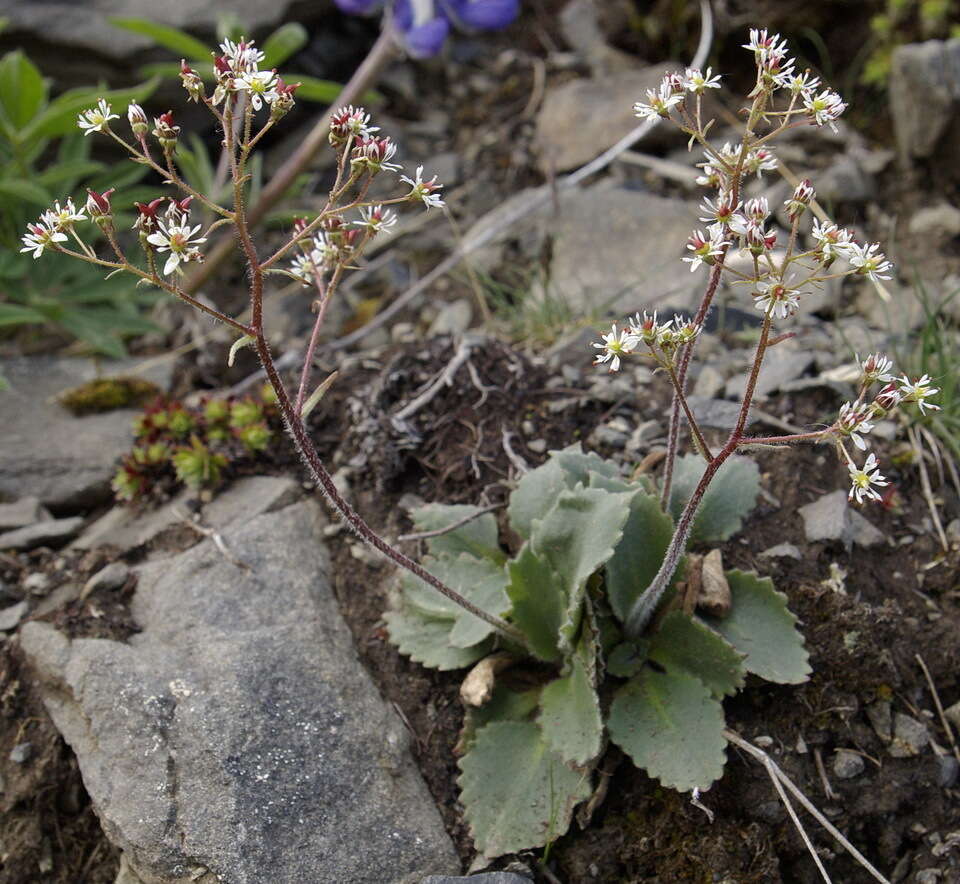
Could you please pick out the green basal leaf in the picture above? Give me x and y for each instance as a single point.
(178, 42)
(516, 792)
(576, 537)
(93, 334)
(315, 89)
(285, 41)
(60, 116)
(639, 554)
(537, 490)
(477, 537)
(671, 727)
(761, 626)
(539, 602)
(478, 580)
(424, 640)
(23, 92)
(628, 658)
(570, 715)
(28, 191)
(688, 645)
(14, 314)
(729, 499)
(504, 705)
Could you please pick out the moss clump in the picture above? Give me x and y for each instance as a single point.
(178, 444)
(109, 394)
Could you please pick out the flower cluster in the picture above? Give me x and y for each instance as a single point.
(424, 25)
(785, 264)
(663, 339)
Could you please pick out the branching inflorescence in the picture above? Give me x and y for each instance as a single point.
(247, 103)
(781, 274)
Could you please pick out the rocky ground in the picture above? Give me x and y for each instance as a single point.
(201, 688)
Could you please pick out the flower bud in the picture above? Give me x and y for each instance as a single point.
(284, 102)
(165, 131)
(147, 218)
(797, 204)
(191, 81)
(98, 204)
(138, 119)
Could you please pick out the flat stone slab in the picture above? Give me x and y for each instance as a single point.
(23, 512)
(237, 738)
(54, 532)
(65, 461)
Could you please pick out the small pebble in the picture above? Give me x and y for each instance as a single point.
(113, 577)
(21, 752)
(537, 446)
(37, 582)
(11, 617)
(909, 736)
(847, 765)
(947, 771)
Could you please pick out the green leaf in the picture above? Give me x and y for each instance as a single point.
(570, 716)
(537, 491)
(68, 172)
(516, 793)
(28, 191)
(22, 90)
(93, 334)
(478, 537)
(539, 602)
(504, 705)
(627, 658)
(576, 537)
(639, 554)
(178, 42)
(478, 580)
(14, 314)
(686, 644)
(424, 640)
(761, 626)
(670, 726)
(728, 500)
(314, 89)
(285, 41)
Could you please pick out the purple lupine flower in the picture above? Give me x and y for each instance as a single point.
(425, 24)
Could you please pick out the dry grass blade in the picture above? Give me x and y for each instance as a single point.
(780, 779)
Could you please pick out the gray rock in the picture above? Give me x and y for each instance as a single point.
(709, 382)
(37, 583)
(832, 518)
(238, 732)
(947, 771)
(596, 268)
(113, 576)
(953, 714)
(881, 718)
(718, 414)
(23, 512)
(845, 181)
(243, 499)
(782, 551)
(847, 765)
(910, 736)
(581, 118)
(11, 617)
(453, 319)
(484, 878)
(65, 461)
(21, 753)
(83, 28)
(52, 533)
(941, 221)
(784, 363)
(930, 70)
(581, 29)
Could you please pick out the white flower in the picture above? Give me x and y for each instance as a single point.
(706, 248)
(62, 218)
(852, 422)
(761, 44)
(870, 262)
(697, 82)
(658, 103)
(862, 481)
(351, 121)
(176, 237)
(325, 252)
(376, 219)
(797, 84)
(709, 178)
(824, 108)
(646, 329)
(719, 211)
(918, 391)
(615, 345)
(876, 368)
(243, 57)
(260, 85)
(96, 119)
(759, 161)
(303, 268)
(775, 299)
(39, 237)
(425, 191)
(376, 153)
(833, 242)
